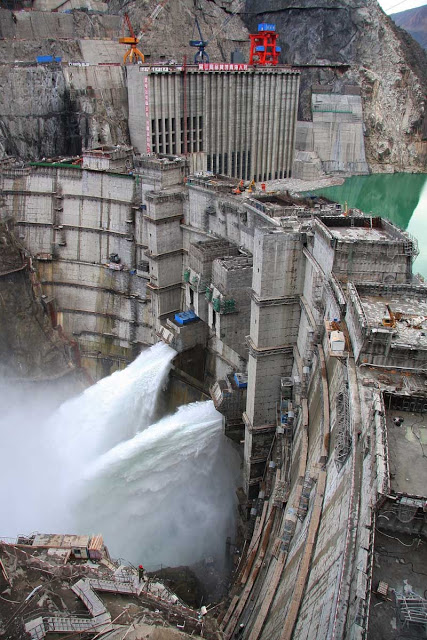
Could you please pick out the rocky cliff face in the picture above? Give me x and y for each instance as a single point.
(388, 65)
(169, 34)
(37, 116)
(29, 348)
(54, 109)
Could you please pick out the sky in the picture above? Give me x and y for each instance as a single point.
(395, 6)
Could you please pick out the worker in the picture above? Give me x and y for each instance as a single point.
(141, 572)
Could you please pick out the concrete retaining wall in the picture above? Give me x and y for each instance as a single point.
(79, 217)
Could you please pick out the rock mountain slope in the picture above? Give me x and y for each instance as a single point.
(30, 349)
(414, 21)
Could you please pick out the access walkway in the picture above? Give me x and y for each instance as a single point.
(124, 581)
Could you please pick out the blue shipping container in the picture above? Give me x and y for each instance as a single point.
(185, 317)
(44, 59)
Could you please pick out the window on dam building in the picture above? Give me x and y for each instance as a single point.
(166, 139)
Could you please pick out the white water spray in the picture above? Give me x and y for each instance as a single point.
(159, 493)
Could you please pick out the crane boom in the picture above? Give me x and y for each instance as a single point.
(129, 25)
(152, 17)
(133, 54)
(202, 55)
(227, 19)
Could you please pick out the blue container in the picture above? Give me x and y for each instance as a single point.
(44, 59)
(266, 26)
(259, 48)
(278, 49)
(241, 380)
(185, 317)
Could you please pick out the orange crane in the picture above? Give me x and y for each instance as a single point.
(133, 54)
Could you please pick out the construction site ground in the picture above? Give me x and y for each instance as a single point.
(25, 570)
(294, 185)
(400, 562)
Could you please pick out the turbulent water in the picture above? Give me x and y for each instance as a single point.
(159, 491)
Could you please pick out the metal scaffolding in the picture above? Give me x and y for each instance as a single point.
(411, 611)
(343, 423)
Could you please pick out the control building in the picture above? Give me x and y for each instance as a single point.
(232, 119)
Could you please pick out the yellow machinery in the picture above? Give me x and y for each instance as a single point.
(133, 54)
(240, 187)
(244, 187)
(389, 321)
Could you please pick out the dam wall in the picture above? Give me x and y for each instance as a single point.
(309, 346)
(312, 473)
(98, 237)
(51, 109)
(334, 139)
(72, 220)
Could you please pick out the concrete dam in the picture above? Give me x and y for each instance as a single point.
(259, 356)
(304, 325)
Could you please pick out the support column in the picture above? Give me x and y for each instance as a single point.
(275, 316)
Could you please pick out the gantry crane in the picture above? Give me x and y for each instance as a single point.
(133, 54)
(201, 55)
(201, 44)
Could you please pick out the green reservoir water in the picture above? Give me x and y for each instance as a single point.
(400, 197)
